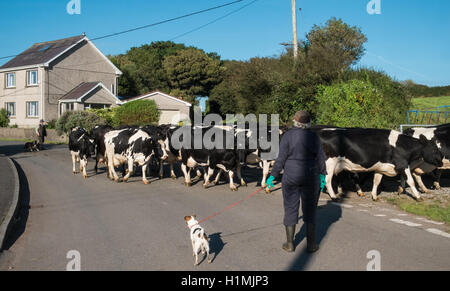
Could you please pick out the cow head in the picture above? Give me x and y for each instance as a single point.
(430, 151)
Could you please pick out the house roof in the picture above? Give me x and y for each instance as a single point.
(79, 92)
(46, 52)
(158, 93)
(42, 53)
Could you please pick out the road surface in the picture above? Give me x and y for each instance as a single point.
(132, 226)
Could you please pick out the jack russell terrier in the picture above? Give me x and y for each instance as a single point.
(199, 238)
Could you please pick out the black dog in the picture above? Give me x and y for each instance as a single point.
(32, 146)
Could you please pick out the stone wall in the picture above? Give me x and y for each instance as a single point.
(29, 133)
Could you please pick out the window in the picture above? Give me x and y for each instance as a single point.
(10, 80)
(112, 89)
(32, 78)
(32, 109)
(11, 108)
(69, 107)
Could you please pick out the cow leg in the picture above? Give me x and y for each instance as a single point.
(216, 181)
(161, 170)
(74, 162)
(331, 165)
(112, 171)
(232, 186)
(84, 163)
(410, 181)
(144, 175)
(376, 182)
(187, 174)
(419, 181)
(238, 173)
(266, 168)
(208, 175)
(172, 172)
(436, 183)
(130, 170)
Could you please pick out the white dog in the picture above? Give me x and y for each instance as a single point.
(199, 238)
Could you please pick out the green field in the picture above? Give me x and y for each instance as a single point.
(430, 103)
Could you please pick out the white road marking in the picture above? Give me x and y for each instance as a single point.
(363, 210)
(429, 221)
(380, 215)
(438, 232)
(343, 205)
(407, 223)
(402, 214)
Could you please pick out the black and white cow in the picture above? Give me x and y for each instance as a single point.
(98, 134)
(441, 135)
(130, 146)
(81, 147)
(210, 159)
(385, 152)
(251, 156)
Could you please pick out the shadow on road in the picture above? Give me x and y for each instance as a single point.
(18, 147)
(20, 220)
(327, 215)
(216, 244)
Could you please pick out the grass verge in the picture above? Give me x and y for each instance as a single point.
(436, 209)
(30, 140)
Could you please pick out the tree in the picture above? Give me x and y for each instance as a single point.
(72, 119)
(192, 72)
(142, 68)
(332, 48)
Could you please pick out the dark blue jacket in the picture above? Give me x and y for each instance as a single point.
(300, 155)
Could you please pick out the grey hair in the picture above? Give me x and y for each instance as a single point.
(301, 125)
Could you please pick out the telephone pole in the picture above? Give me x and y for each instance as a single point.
(294, 26)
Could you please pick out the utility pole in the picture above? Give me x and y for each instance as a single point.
(294, 26)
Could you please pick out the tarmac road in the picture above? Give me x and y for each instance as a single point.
(132, 226)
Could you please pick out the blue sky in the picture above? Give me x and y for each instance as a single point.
(409, 40)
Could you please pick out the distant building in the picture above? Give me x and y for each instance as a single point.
(172, 109)
(52, 77)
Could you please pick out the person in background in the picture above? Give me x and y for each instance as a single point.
(41, 132)
(303, 160)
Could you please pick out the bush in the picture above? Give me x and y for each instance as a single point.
(108, 114)
(357, 103)
(51, 124)
(72, 119)
(4, 118)
(139, 112)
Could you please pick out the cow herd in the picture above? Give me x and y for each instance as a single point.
(410, 155)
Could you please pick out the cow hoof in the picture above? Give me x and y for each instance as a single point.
(74, 172)
(125, 180)
(233, 188)
(420, 199)
(400, 190)
(146, 182)
(85, 176)
(244, 184)
(117, 180)
(267, 191)
(361, 194)
(161, 177)
(375, 199)
(205, 186)
(187, 184)
(437, 186)
(173, 177)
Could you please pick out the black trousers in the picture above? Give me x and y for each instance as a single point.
(305, 189)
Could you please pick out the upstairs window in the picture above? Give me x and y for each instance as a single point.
(10, 80)
(32, 78)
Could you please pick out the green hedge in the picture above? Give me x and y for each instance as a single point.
(359, 103)
(84, 119)
(139, 112)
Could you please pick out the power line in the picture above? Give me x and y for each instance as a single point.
(213, 21)
(149, 25)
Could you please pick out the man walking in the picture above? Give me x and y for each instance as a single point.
(41, 132)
